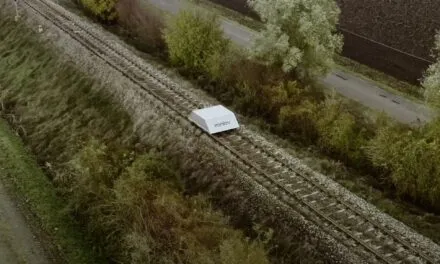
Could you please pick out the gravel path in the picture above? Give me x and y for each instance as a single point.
(17, 243)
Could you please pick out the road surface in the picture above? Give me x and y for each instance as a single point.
(348, 85)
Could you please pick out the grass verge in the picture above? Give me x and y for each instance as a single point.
(29, 182)
(384, 81)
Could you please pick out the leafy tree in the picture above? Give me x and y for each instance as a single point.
(431, 81)
(194, 41)
(299, 35)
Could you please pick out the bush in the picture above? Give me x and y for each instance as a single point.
(194, 40)
(298, 122)
(144, 25)
(413, 160)
(134, 204)
(104, 10)
(340, 133)
(218, 67)
(266, 100)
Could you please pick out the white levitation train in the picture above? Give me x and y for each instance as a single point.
(214, 119)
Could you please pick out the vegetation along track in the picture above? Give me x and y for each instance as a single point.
(293, 187)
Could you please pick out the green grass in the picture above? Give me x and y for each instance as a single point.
(27, 180)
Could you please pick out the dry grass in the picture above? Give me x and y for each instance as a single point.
(142, 216)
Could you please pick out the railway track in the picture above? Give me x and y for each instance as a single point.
(368, 238)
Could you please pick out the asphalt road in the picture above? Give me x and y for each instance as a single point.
(346, 84)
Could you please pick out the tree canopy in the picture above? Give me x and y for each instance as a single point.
(431, 81)
(299, 35)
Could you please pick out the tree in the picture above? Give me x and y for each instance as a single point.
(431, 81)
(299, 35)
(194, 41)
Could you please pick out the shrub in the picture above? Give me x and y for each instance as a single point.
(94, 175)
(194, 40)
(412, 158)
(262, 100)
(218, 66)
(104, 10)
(135, 205)
(339, 133)
(266, 100)
(298, 122)
(145, 25)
